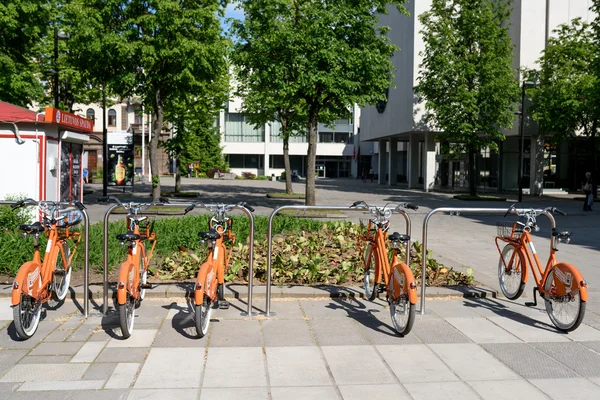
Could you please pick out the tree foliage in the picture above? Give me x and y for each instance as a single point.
(23, 26)
(339, 54)
(466, 76)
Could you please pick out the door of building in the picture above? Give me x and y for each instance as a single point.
(70, 171)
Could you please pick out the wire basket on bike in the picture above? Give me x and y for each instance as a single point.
(509, 230)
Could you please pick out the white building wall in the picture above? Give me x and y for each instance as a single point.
(20, 166)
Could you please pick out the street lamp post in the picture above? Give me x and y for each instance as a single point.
(522, 134)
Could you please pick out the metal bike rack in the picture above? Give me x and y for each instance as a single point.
(86, 250)
(182, 205)
(457, 212)
(268, 312)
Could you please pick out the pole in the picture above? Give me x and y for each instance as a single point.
(105, 143)
(522, 142)
(56, 67)
(149, 140)
(143, 145)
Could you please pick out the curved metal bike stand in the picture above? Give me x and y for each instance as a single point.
(86, 250)
(457, 211)
(268, 312)
(182, 205)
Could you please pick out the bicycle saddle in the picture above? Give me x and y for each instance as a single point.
(36, 227)
(562, 235)
(212, 235)
(129, 236)
(396, 237)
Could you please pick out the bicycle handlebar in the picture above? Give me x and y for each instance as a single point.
(534, 211)
(216, 209)
(399, 206)
(128, 206)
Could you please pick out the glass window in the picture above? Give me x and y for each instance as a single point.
(238, 129)
(90, 114)
(138, 118)
(343, 137)
(112, 118)
(325, 137)
(276, 134)
(235, 160)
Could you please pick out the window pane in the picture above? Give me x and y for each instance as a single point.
(112, 118)
(238, 129)
(90, 114)
(236, 160)
(325, 137)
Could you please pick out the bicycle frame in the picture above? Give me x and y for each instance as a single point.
(35, 276)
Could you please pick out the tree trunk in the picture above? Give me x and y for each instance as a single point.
(157, 123)
(177, 176)
(472, 172)
(286, 163)
(311, 157)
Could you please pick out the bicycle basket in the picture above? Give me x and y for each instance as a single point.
(509, 229)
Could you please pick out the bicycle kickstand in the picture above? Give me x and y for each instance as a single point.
(534, 303)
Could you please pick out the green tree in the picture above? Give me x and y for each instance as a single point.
(178, 49)
(339, 54)
(466, 77)
(23, 26)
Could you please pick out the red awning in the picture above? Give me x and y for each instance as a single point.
(11, 113)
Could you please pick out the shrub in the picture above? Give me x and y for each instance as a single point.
(211, 172)
(248, 175)
(283, 175)
(11, 218)
(202, 175)
(263, 178)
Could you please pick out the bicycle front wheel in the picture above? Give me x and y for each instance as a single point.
(126, 316)
(402, 311)
(203, 313)
(369, 278)
(511, 272)
(62, 274)
(26, 316)
(563, 299)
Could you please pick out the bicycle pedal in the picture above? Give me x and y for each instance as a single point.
(146, 286)
(223, 304)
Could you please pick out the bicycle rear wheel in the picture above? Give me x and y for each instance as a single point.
(369, 278)
(62, 274)
(564, 305)
(26, 316)
(511, 275)
(203, 313)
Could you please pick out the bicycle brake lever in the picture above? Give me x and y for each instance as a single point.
(411, 207)
(556, 210)
(79, 205)
(244, 204)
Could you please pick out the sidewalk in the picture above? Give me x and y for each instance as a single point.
(462, 348)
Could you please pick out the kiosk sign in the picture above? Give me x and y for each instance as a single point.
(68, 120)
(120, 158)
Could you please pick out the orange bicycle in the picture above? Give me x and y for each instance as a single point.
(561, 285)
(133, 274)
(39, 282)
(209, 287)
(398, 279)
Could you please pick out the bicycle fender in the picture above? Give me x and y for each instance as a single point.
(28, 281)
(205, 282)
(526, 266)
(409, 285)
(124, 282)
(567, 282)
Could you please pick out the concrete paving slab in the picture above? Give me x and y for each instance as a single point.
(8, 358)
(88, 352)
(450, 309)
(56, 349)
(381, 331)
(372, 369)
(482, 330)
(340, 308)
(6, 312)
(44, 359)
(179, 332)
(235, 367)
(286, 309)
(7, 388)
(62, 385)
(507, 390)
(573, 388)
(579, 358)
(584, 333)
(138, 338)
(416, 363)
(82, 333)
(361, 392)
(301, 393)
(530, 331)
(594, 345)
(59, 335)
(123, 376)
(163, 394)
(44, 372)
(441, 391)
(234, 393)
(169, 368)
(435, 330)
(337, 332)
(122, 355)
(529, 362)
(10, 340)
(296, 366)
(99, 371)
(278, 333)
(472, 363)
(227, 333)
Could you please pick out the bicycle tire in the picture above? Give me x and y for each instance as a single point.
(513, 286)
(61, 278)
(369, 276)
(127, 309)
(143, 276)
(402, 311)
(555, 305)
(26, 316)
(203, 313)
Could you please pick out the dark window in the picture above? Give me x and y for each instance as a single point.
(112, 118)
(90, 114)
(325, 137)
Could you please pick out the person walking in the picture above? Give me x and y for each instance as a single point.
(190, 168)
(371, 174)
(587, 190)
(364, 175)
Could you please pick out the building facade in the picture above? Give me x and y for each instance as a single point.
(408, 150)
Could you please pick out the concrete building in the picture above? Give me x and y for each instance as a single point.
(407, 150)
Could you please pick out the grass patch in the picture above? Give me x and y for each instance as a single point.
(286, 196)
(468, 197)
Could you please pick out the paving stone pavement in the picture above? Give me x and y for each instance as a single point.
(312, 349)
